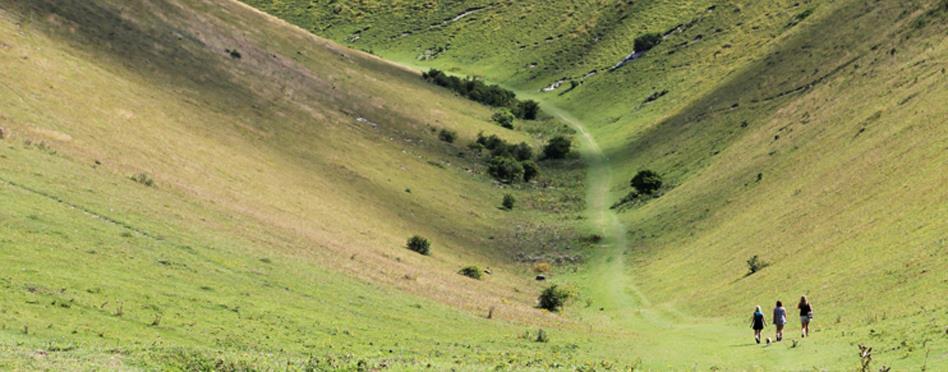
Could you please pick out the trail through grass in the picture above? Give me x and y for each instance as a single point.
(616, 302)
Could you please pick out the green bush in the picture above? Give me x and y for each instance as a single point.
(508, 201)
(646, 182)
(503, 117)
(755, 264)
(527, 110)
(553, 298)
(492, 142)
(447, 135)
(647, 41)
(542, 337)
(419, 244)
(557, 148)
(144, 179)
(530, 170)
(521, 151)
(504, 169)
(472, 272)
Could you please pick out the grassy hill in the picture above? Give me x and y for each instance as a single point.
(280, 178)
(286, 173)
(807, 133)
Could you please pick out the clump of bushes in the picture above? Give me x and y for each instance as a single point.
(503, 117)
(472, 272)
(557, 148)
(447, 135)
(530, 170)
(646, 183)
(755, 264)
(553, 298)
(508, 163)
(647, 41)
(488, 94)
(144, 179)
(508, 201)
(504, 168)
(419, 244)
(527, 110)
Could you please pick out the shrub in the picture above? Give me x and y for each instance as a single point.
(647, 41)
(530, 170)
(541, 336)
(504, 169)
(144, 179)
(553, 298)
(508, 201)
(557, 148)
(419, 244)
(491, 142)
(503, 117)
(521, 151)
(646, 182)
(447, 135)
(755, 264)
(527, 110)
(472, 272)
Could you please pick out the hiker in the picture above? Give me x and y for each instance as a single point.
(757, 323)
(806, 315)
(780, 319)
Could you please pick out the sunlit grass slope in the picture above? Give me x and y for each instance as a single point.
(287, 172)
(812, 134)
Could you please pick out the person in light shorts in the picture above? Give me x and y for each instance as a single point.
(806, 315)
(780, 319)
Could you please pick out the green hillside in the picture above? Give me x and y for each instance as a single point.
(199, 185)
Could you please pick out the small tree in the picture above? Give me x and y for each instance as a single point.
(521, 151)
(647, 41)
(527, 110)
(419, 244)
(508, 201)
(646, 182)
(553, 298)
(472, 272)
(504, 169)
(503, 117)
(755, 264)
(447, 135)
(530, 170)
(557, 148)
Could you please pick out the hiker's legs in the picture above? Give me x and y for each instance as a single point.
(757, 335)
(779, 335)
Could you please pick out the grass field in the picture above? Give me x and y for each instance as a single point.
(289, 171)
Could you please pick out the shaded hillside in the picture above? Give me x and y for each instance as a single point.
(186, 181)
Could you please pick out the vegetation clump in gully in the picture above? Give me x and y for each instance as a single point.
(488, 94)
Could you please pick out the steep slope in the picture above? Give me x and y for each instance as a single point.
(280, 175)
(811, 134)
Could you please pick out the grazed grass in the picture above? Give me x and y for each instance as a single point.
(807, 132)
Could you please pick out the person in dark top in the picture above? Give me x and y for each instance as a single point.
(780, 319)
(757, 323)
(806, 315)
